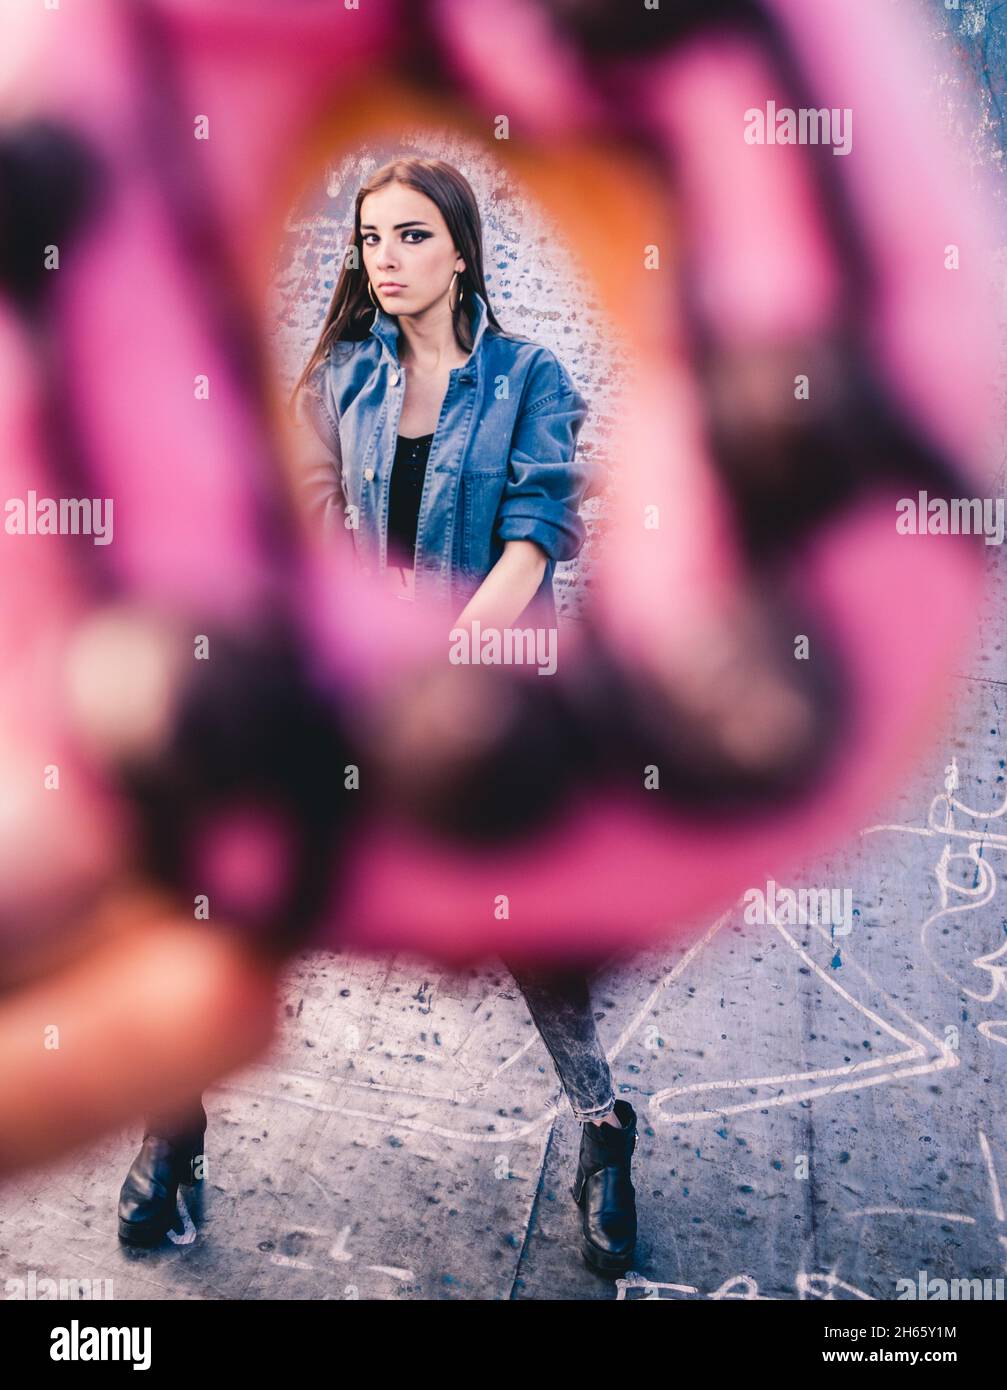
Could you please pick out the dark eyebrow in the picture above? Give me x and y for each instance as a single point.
(370, 227)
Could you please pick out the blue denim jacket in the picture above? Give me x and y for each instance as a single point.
(502, 465)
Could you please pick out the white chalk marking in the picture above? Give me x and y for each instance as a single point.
(188, 1232)
(998, 1206)
(912, 1211)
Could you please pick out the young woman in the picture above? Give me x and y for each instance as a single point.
(461, 491)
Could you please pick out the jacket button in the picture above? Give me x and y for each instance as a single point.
(395, 377)
(369, 474)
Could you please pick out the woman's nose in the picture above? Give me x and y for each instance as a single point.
(385, 261)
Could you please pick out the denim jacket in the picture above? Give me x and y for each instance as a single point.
(502, 465)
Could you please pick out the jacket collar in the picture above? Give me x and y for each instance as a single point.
(386, 328)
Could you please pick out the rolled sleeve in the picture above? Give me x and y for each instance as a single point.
(546, 482)
(319, 458)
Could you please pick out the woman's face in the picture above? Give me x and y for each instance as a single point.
(409, 256)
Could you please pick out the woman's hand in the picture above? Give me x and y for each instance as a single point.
(442, 720)
(509, 587)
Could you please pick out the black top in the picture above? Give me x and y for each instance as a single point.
(408, 473)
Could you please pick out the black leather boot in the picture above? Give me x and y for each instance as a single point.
(148, 1197)
(605, 1194)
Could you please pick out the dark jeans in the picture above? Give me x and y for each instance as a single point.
(180, 1125)
(559, 1002)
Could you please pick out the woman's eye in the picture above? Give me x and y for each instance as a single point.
(420, 236)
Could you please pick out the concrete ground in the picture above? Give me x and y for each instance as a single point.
(819, 1116)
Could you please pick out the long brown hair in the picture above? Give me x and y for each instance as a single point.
(351, 312)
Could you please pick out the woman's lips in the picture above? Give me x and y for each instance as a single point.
(391, 289)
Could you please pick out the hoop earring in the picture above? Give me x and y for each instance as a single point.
(461, 293)
(370, 293)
